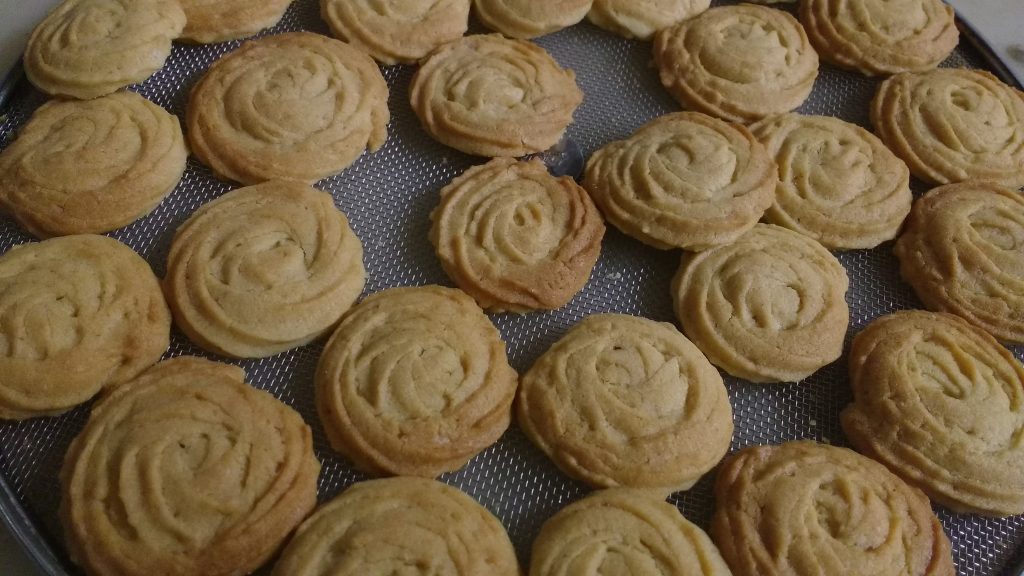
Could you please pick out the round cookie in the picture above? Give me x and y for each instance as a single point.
(740, 63)
(771, 307)
(186, 470)
(516, 238)
(88, 48)
(615, 529)
(81, 313)
(627, 401)
(263, 269)
(881, 36)
(492, 96)
(961, 251)
(400, 526)
(258, 115)
(940, 403)
(414, 381)
(91, 166)
(683, 180)
(642, 18)
(396, 31)
(837, 182)
(952, 124)
(805, 509)
(530, 18)
(210, 21)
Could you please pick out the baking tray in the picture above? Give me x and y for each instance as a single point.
(387, 197)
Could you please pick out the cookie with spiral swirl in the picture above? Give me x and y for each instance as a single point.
(881, 36)
(396, 31)
(683, 180)
(770, 307)
(400, 526)
(516, 238)
(88, 48)
(296, 106)
(804, 508)
(186, 470)
(210, 21)
(263, 269)
(81, 313)
(530, 18)
(91, 166)
(492, 96)
(952, 124)
(620, 527)
(627, 401)
(837, 182)
(414, 382)
(642, 18)
(740, 63)
(940, 403)
(961, 251)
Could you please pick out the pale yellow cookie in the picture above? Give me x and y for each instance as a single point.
(88, 48)
(740, 63)
(627, 401)
(414, 381)
(396, 31)
(683, 180)
(263, 269)
(642, 18)
(186, 470)
(962, 253)
(952, 124)
(770, 307)
(211, 21)
(492, 96)
(837, 182)
(296, 106)
(940, 403)
(91, 166)
(80, 313)
(530, 18)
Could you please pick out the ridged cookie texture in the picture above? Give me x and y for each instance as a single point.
(187, 470)
(940, 403)
(961, 251)
(295, 106)
(80, 313)
(642, 18)
(396, 31)
(804, 509)
(263, 269)
(414, 381)
(492, 96)
(210, 21)
(516, 238)
(683, 180)
(770, 307)
(622, 401)
(400, 526)
(88, 48)
(530, 18)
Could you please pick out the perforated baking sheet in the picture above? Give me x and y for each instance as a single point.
(388, 196)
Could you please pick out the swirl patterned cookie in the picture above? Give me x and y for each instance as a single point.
(296, 106)
(396, 31)
(740, 63)
(88, 48)
(91, 166)
(414, 381)
(81, 313)
(837, 182)
(263, 269)
(492, 96)
(621, 527)
(951, 125)
(940, 403)
(186, 470)
(961, 251)
(627, 401)
(530, 18)
(771, 307)
(642, 18)
(805, 509)
(210, 21)
(683, 180)
(390, 525)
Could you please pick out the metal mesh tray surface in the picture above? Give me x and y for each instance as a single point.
(387, 197)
